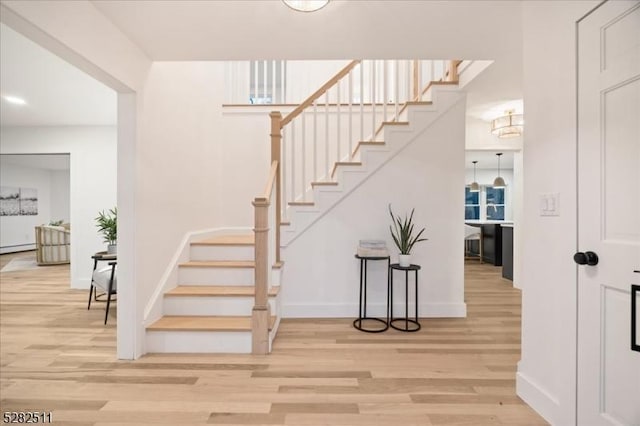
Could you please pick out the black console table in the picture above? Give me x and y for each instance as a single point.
(362, 305)
(407, 321)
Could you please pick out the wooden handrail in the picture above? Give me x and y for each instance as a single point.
(307, 102)
(270, 182)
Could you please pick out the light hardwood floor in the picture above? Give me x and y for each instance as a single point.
(57, 356)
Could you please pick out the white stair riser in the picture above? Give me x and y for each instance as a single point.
(199, 252)
(218, 306)
(198, 341)
(215, 276)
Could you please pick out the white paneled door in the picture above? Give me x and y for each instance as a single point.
(608, 213)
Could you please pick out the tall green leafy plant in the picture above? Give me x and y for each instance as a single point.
(402, 232)
(107, 224)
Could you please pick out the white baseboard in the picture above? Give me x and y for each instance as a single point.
(537, 397)
(350, 310)
(17, 249)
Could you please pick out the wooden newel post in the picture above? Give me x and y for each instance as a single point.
(276, 148)
(261, 312)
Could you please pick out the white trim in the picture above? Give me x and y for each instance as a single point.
(350, 310)
(17, 248)
(537, 397)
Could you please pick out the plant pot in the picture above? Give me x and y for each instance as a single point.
(404, 260)
(112, 249)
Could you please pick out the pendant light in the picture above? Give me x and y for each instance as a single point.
(474, 187)
(499, 182)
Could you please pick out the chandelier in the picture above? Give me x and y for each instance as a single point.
(508, 126)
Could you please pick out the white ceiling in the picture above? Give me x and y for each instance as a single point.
(380, 29)
(37, 161)
(57, 94)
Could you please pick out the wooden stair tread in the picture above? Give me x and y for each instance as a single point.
(204, 323)
(227, 240)
(344, 163)
(324, 183)
(216, 290)
(419, 103)
(395, 123)
(301, 203)
(285, 223)
(219, 264)
(367, 143)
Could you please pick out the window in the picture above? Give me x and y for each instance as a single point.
(471, 205)
(488, 204)
(267, 82)
(495, 203)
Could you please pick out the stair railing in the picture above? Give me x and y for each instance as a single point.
(351, 107)
(369, 94)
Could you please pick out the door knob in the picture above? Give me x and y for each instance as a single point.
(586, 258)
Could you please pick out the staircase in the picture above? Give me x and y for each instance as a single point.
(367, 157)
(223, 294)
(209, 311)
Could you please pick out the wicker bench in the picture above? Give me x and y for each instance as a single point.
(53, 245)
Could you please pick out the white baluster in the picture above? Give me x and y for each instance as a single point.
(338, 121)
(283, 98)
(255, 78)
(284, 172)
(408, 66)
(350, 114)
(396, 90)
(384, 90)
(361, 100)
(264, 81)
(303, 160)
(373, 100)
(326, 135)
(418, 80)
(315, 140)
(273, 82)
(293, 160)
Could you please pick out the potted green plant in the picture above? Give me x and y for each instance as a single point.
(402, 232)
(107, 224)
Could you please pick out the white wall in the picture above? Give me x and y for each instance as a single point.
(321, 273)
(546, 374)
(92, 181)
(60, 195)
(17, 232)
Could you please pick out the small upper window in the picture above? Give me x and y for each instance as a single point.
(471, 204)
(495, 203)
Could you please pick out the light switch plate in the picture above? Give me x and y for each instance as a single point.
(550, 204)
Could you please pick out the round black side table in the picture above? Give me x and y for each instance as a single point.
(362, 302)
(410, 325)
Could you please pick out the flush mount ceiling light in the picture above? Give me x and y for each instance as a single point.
(306, 5)
(474, 187)
(509, 125)
(14, 100)
(499, 182)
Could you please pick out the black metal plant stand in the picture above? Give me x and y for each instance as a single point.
(362, 305)
(406, 320)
